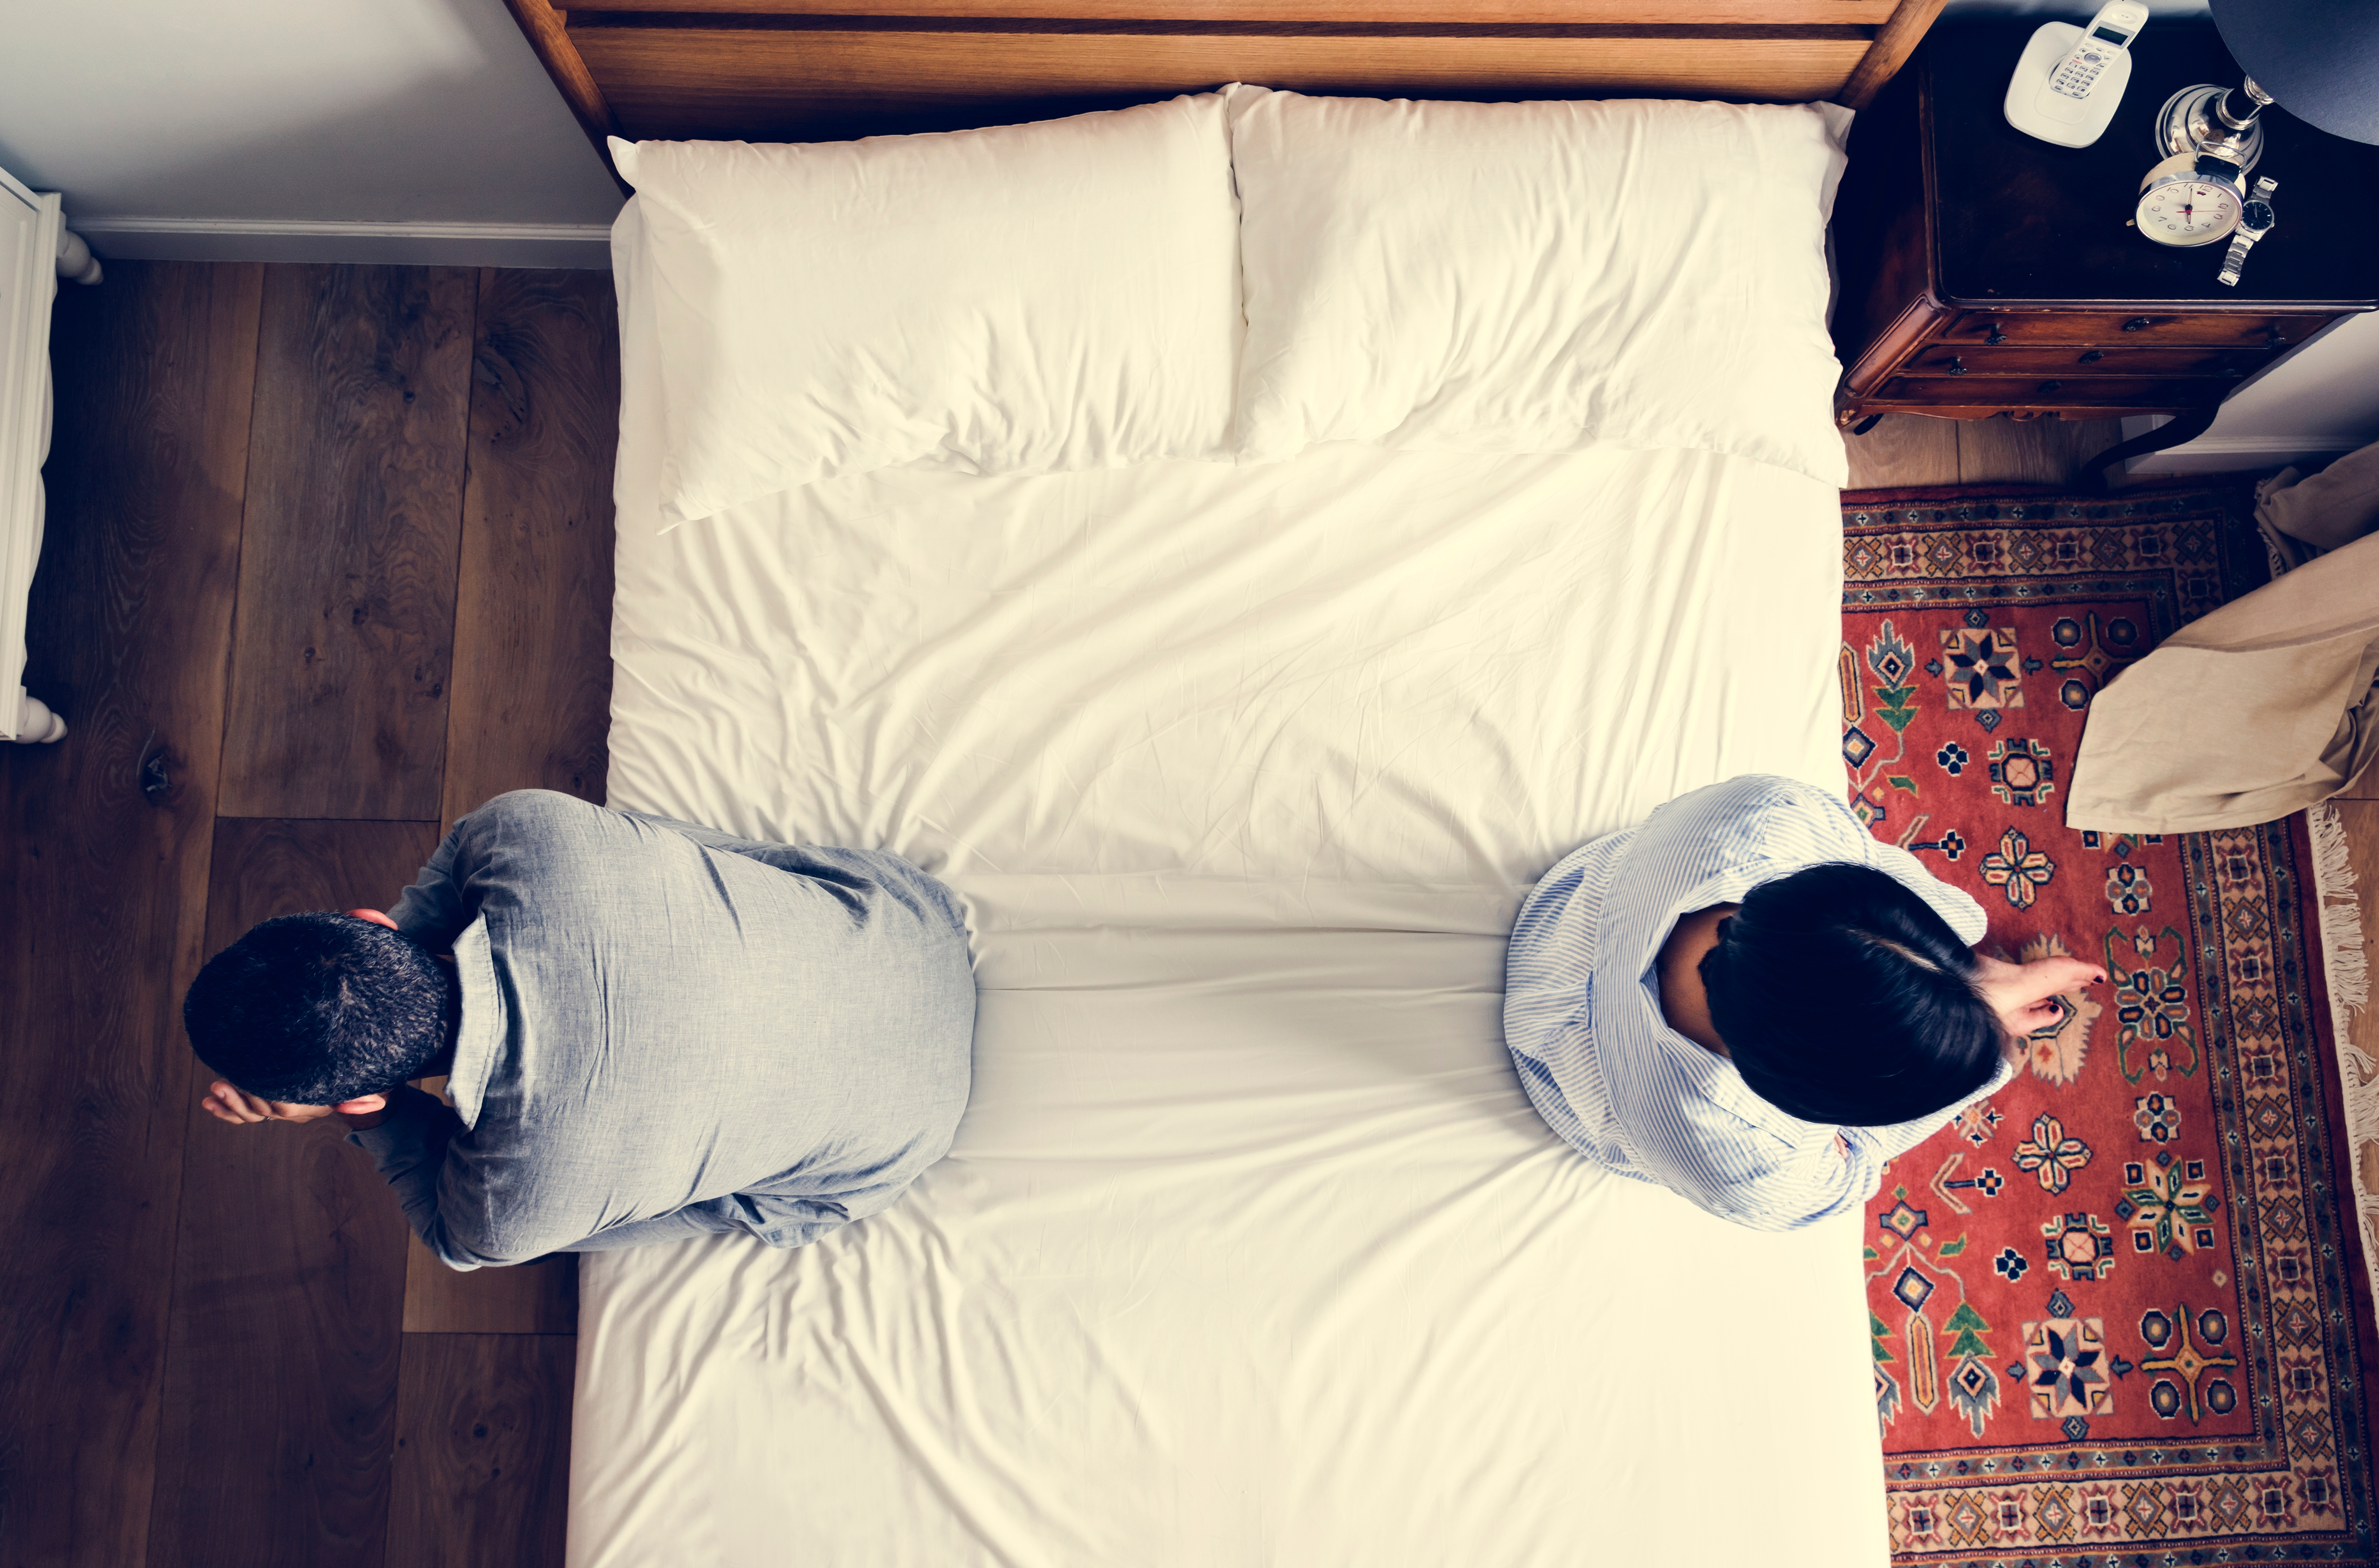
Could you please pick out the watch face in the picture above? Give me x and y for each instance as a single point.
(2258, 216)
(2188, 212)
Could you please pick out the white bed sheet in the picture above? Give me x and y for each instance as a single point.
(1251, 1249)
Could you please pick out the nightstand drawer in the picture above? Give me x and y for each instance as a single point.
(2008, 359)
(2214, 329)
(2136, 393)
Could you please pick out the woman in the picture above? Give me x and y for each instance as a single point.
(1750, 1001)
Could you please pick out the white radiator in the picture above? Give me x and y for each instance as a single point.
(34, 249)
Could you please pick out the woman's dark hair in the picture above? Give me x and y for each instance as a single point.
(315, 1010)
(1844, 999)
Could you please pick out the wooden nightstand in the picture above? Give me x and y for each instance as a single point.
(1984, 272)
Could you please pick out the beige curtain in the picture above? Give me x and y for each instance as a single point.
(2303, 517)
(2264, 706)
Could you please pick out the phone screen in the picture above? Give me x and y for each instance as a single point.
(2109, 34)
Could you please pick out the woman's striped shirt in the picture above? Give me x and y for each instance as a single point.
(1582, 1007)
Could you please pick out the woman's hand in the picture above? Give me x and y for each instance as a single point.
(2024, 996)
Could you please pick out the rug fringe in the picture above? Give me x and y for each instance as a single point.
(2344, 959)
(2347, 966)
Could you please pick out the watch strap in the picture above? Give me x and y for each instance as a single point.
(2234, 258)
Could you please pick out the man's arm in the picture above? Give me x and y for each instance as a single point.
(433, 911)
(699, 1219)
(849, 875)
(408, 1143)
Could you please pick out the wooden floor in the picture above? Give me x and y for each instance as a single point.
(1906, 449)
(329, 563)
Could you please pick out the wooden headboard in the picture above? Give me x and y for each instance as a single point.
(810, 70)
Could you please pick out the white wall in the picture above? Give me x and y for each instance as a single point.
(418, 130)
(2320, 402)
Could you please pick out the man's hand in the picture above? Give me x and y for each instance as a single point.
(228, 1102)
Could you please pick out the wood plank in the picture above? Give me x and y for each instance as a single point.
(482, 1451)
(1903, 448)
(816, 83)
(280, 1399)
(531, 695)
(2030, 451)
(539, 1297)
(340, 665)
(1893, 44)
(129, 627)
(1338, 13)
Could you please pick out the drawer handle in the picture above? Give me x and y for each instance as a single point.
(2052, 386)
(2092, 357)
(1957, 366)
(2274, 337)
(1996, 336)
(2139, 324)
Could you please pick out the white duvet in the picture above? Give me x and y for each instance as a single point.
(1251, 1249)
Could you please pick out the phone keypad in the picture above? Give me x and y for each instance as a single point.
(2074, 77)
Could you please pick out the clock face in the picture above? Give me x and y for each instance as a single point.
(2188, 212)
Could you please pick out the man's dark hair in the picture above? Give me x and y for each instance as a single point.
(317, 1009)
(1844, 999)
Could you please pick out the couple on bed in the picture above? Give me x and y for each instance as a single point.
(651, 1031)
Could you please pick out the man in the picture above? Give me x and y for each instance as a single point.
(650, 1031)
(1749, 1000)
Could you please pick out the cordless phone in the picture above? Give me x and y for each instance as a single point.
(2070, 80)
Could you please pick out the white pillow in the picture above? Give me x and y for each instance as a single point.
(1537, 277)
(1026, 299)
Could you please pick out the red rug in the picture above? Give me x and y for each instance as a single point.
(2118, 1311)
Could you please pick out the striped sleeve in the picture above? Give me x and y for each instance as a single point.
(1694, 1125)
(1952, 904)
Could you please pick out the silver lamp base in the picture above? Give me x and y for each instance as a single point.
(2187, 122)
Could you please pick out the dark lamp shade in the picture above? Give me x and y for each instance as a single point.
(2319, 59)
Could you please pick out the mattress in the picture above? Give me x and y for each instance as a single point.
(1251, 1249)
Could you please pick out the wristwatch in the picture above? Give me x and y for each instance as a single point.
(2256, 220)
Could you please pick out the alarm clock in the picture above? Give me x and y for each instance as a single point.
(2196, 194)
(2190, 199)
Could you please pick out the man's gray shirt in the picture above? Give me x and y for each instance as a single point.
(667, 1030)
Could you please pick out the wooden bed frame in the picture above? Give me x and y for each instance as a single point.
(815, 70)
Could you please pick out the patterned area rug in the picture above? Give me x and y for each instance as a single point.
(2118, 1309)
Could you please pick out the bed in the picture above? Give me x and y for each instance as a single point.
(1251, 1247)
(820, 70)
